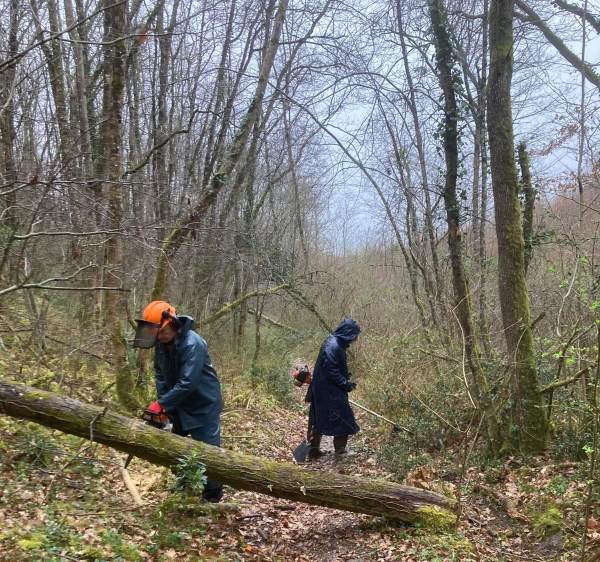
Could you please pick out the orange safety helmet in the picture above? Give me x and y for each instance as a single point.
(155, 316)
(158, 312)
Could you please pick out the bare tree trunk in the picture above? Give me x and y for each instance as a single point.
(280, 480)
(115, 18)
(481, 247)
(582, 116)
(294, 178)
(232, 155)
(53, 54)
(435, 285)
(82, 92)
(214, 143)
(476, 105)
(512, 287)
(161, 127)
(8, 169)
(410, 258)
(448, 81)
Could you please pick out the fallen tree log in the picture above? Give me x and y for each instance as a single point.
(246, 472)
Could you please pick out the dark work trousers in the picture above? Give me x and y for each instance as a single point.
(210, 433)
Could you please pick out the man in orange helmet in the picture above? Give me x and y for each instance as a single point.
(187, 386)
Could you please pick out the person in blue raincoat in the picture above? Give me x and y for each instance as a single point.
(187, 385)
(330, 412)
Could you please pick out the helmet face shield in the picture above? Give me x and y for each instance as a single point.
(145, 334)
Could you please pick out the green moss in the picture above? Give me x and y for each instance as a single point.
(32, 542)
(33, 393)
(443, 546)
(435, 518)
(547, 522)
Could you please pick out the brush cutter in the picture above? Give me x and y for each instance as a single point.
(301, 452)
(396, 427)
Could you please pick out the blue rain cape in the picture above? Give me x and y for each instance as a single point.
(330, 411)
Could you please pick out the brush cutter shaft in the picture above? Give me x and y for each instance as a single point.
(378, 415)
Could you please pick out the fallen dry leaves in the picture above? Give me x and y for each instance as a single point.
(97, 510)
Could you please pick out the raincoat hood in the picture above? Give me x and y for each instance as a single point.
(347, 331)
(186, 323)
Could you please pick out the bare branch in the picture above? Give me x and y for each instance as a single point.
(13, 60)
(558, 43)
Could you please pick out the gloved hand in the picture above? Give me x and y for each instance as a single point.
(350, 387)
(155, 408)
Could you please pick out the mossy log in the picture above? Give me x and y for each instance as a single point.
(245, 472)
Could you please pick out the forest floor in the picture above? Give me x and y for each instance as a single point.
(64, 499)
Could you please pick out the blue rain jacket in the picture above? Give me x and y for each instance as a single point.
(186, 382)
(330, 410)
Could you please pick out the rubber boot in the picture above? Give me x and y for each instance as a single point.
(315, 443)
(339, 445)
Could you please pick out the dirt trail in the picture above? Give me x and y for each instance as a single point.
(76, 497)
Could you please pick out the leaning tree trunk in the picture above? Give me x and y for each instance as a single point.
(282, 480)
(232, 156)
(512, 286)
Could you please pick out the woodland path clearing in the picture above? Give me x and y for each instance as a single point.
(90, 499)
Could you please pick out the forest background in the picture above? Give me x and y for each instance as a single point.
(270, 167)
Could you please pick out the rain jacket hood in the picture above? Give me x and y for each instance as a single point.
(347, 331)
(186, 323)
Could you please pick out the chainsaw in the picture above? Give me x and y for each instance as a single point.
(159, 421)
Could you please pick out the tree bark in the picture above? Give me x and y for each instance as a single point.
(482, 250)
(8, 168)
(115, 18)
(448, 80)
(281, 480)
(512, 287)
